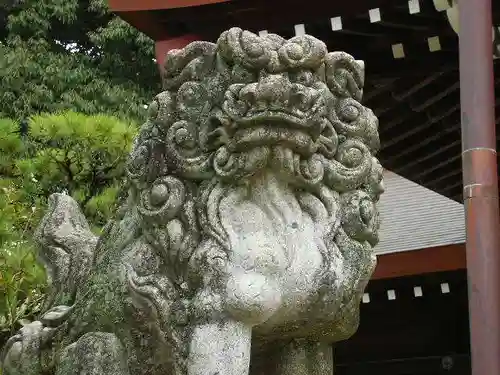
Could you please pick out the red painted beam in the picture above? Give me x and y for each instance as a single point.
(417, 262)
(146, 22)
(134, 5)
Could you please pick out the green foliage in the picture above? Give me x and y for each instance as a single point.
(62, 57)
(101, 207)
(22, 285)
(58, 81)
(70, 54)
(11, 146)
(82, 155)
(22, 279)
(16, 215)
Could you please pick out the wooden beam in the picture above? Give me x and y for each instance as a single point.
(437, 322)
(415, 262)
(134, 5)
(258, 15)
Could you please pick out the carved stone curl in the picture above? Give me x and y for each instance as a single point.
(251, 217)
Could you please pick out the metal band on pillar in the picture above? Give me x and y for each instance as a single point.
(480, 180)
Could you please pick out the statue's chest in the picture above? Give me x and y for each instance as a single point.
(280, 245)
(299, 279)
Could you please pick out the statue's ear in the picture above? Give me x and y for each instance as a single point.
(345, 76)
(361, 65)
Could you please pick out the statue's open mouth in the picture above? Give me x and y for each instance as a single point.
(295, 139)
(275, 111)
(261, 134)
(281, 116)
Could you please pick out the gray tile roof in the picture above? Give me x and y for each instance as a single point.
(414, 217)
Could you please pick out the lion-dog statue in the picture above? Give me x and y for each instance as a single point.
(244, 237)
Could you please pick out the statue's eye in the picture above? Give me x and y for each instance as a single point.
(304, 78)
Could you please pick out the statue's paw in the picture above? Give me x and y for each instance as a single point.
(56, 315)
(251, 297)
(95, 353)
(22, 354)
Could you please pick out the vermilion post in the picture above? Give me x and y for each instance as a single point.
(480, 178)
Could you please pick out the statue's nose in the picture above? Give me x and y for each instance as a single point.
(273, 88)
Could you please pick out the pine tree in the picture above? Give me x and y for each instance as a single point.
(81, 155)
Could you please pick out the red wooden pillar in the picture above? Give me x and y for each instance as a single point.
(479, 157)
(163, 46)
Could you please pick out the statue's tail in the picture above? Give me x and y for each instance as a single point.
(66, 247)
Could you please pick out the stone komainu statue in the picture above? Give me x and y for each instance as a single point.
(250, 219)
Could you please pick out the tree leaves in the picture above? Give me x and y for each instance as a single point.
(92, 73)
(22, 284)
(58, 55)
(83, 155)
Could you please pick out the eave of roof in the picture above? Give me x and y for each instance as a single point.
(150, 16)
(414, 217)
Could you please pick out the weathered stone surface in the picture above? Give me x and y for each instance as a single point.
(250, 219)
